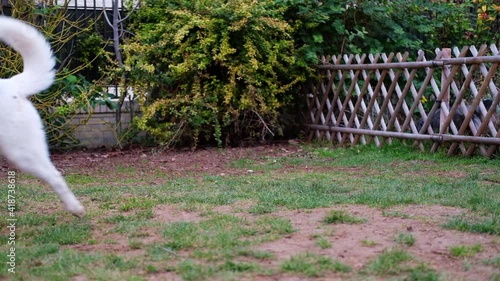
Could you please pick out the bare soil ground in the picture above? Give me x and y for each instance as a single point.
(423, 222)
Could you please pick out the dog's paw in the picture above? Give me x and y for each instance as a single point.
(76, 209)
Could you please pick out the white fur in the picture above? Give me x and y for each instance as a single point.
(22, 136)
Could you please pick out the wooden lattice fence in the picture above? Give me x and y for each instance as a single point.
(452, 99)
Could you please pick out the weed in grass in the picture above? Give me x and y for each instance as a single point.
(137, 203)
(389, 262)
(43, 250)
(134, 244)
(395, 214)
(234, 266)
(276, 225)
(406, 239)
(151, 269)
(369, 243)
(108, 206)
(495, 262)
(191, 271)
(113, 261)
(323, 243)
(339, 216)
(490, 225)
(110, 241)
(116, 219)
(316, 235)
(140, 234)
(262, 208)
(422, 273)
(260, 255)
(135, 278)
(462, 251)
(181, 235)
(160, 252)
(312, 265)
(144, 214)
(202, 208)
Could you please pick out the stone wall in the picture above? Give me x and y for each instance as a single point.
(100, 129)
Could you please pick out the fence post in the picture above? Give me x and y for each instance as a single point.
(445, 102)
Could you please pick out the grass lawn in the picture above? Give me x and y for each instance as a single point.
(284, 212)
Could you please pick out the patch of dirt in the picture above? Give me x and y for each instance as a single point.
(106, 240)
(168, 213)
(174, 163)
(432, 242)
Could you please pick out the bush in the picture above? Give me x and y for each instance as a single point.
(210, 70)
(333, 27)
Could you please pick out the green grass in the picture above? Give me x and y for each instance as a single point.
(136, 203)
(339, 216)
(122, 238)
(405, 238)
(462, 251)
(63, 234)
(323, 243)
(368, 243)
(422, 273)
(312, 265)
(390, 262)
(490, 225)
(222, 237)
(395, 214)
(273, 226)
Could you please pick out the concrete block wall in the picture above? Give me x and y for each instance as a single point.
(100, 128)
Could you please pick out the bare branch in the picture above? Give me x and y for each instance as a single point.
(133, 9)
(106, 15)
(263, 122)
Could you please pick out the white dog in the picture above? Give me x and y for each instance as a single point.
(22, 137)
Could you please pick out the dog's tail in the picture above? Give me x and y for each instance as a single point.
(38, 70)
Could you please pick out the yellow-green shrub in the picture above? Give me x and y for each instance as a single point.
(210, 70)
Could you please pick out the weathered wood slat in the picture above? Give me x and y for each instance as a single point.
(433, 63)
(374, 94)
(386, 104)
(434, 137)
(338, 89)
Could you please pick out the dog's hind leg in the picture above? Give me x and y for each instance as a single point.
(35, 160)
(46, 171)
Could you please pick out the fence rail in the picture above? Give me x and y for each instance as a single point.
(452, 99)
